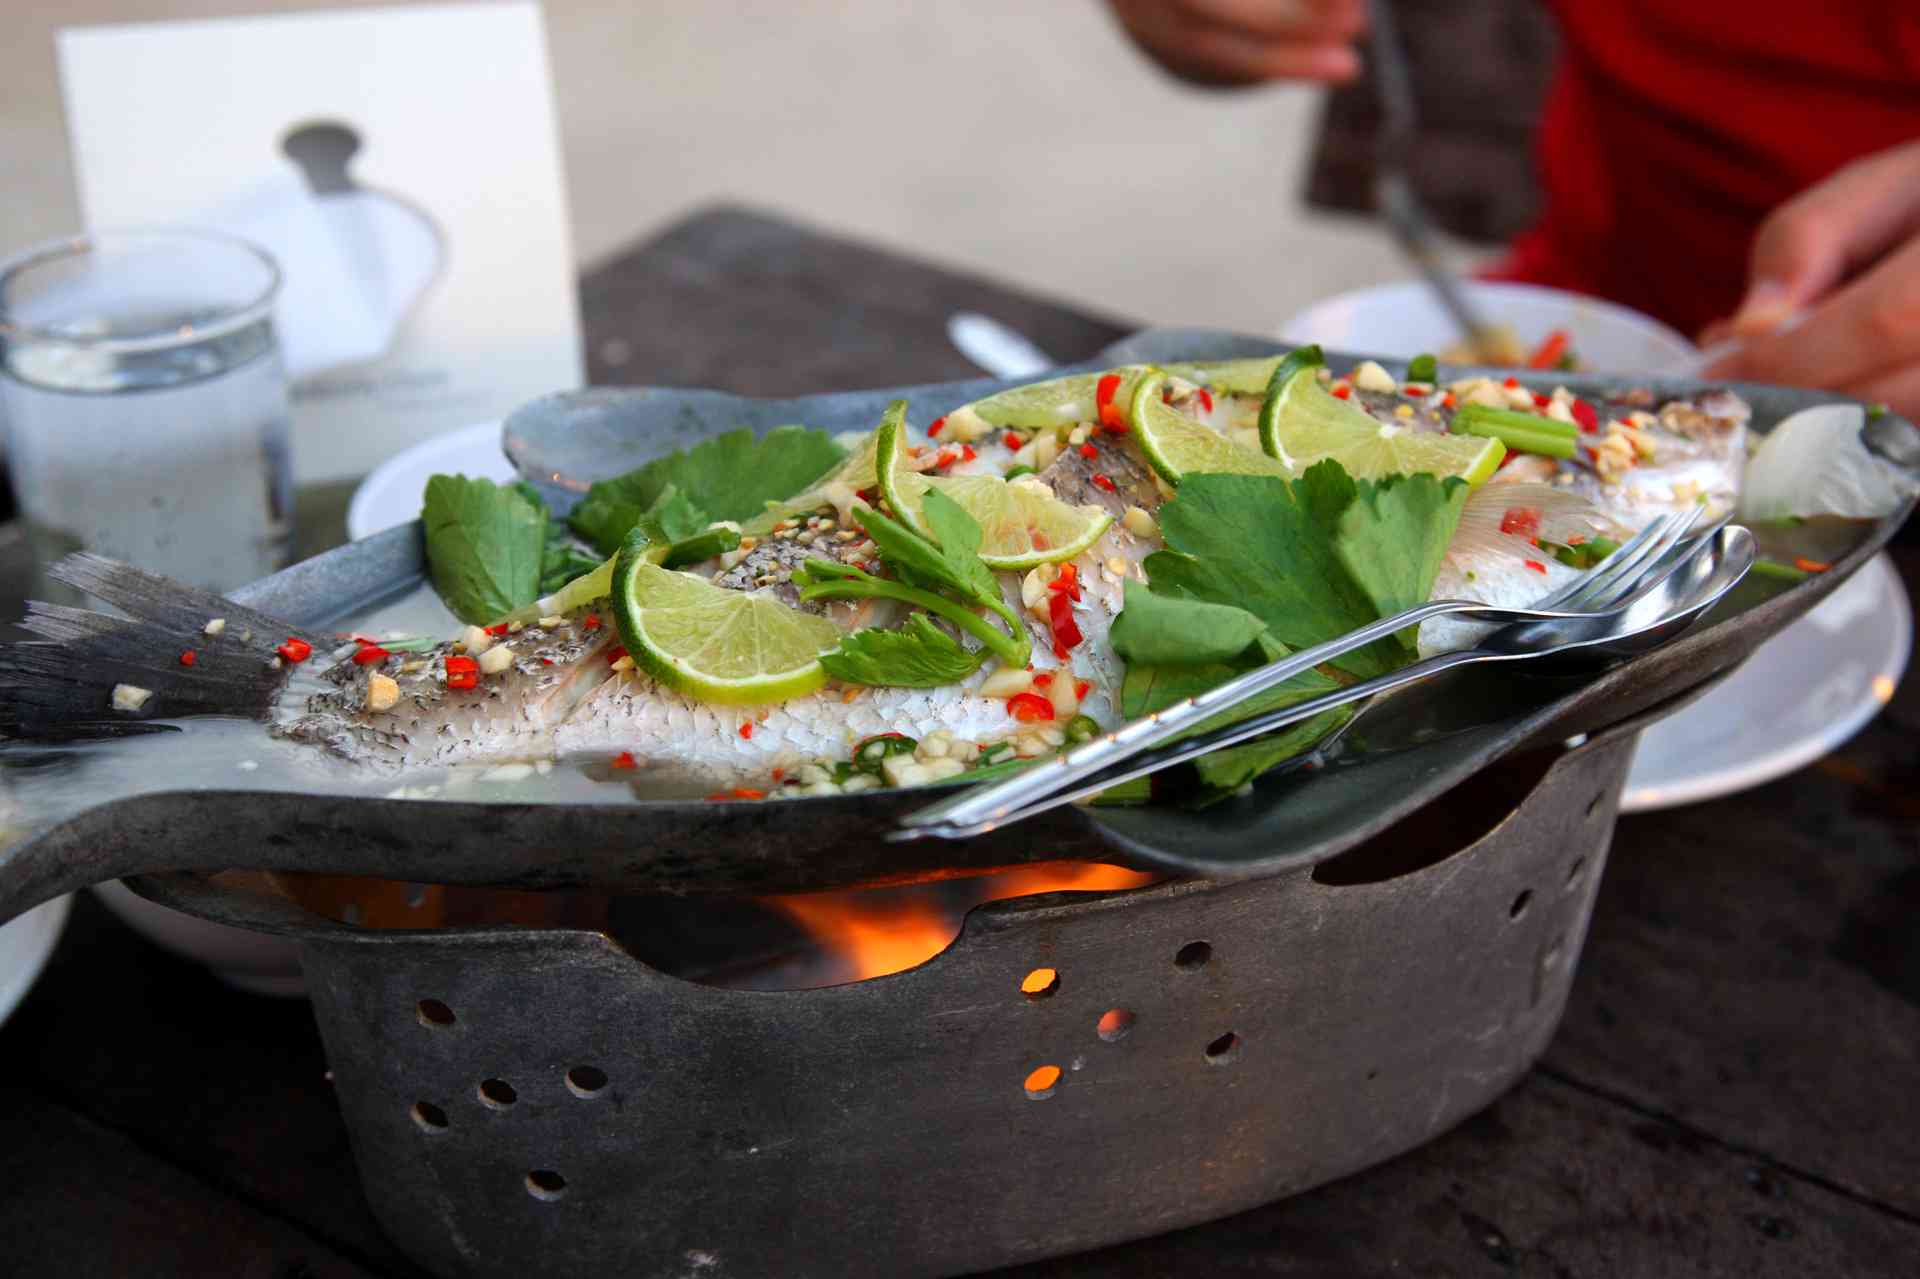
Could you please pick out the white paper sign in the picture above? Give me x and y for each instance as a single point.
(403, 167)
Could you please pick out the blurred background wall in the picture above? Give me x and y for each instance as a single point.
(1026, 140)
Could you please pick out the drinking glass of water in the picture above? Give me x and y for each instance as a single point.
(145, 404)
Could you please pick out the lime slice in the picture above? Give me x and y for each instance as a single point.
(715, 644)
(1062, 402)
(1021, 525)
(1301, 422)
(854, 473)
(1234, 377)
(1176, 445)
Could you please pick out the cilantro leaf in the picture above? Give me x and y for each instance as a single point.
(1392, 537)
(1231, 767)
(671, 518)
(729, 477)
(958, 536)
(1154, 629)
(920, 655)
(1314, 558)
(561, 559)
(485, 546)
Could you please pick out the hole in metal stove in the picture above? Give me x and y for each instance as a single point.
(1223, 1050)
(1042, 1082)
(1194, 954)
(1040, 983)
(1115, 1023)
(434, 1013)
(585, 1081)
(1520, 904)
(544, 1183)
(498, 1093)
(429, 1116)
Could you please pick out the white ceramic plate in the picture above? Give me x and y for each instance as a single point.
(391, 495)
(25, 943)
(1806, 691)
(1404, 320)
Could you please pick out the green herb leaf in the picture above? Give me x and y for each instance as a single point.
(1154, 629)
(1224, 771)
(729, 477)
(672, 518)
(486, 546)
(1287, 552)
(1422, 368)
(920, 655)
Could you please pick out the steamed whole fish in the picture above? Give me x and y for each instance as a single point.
(561, 687)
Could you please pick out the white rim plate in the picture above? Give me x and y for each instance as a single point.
(25, 943)
(1805, 691)
(391, 494)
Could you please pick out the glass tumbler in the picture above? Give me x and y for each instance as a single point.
(146, 406)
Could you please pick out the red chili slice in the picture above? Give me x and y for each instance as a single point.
(497, 629)
(1548, 353)
(1806, 565)
(370, 654)
(746, 731)
(1521, 520)
(1512, 384)
(1413, 390)
(1584, 414)
(187, 658)
(624, 760)
(1029, 708)
(1087, 450)
(966, 453)
(462, 672)
(938, 424)
(1206, 399)
(1536, 566)
(1102, 482)
(1012, 441)
(1342, 392)
(1104, 391)
(1066, 633)
(748, 792)
(591, 621)
(1541, 401)
(295, 650)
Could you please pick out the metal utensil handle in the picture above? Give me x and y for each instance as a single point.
(990, 802)
(1145, 762)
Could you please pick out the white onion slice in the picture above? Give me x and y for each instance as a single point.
(1814, 463)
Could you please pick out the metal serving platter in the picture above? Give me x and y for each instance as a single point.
(1398, 759)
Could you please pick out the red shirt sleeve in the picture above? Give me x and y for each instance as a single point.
(1673, 128)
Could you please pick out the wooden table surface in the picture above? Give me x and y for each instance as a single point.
(1735, 1089)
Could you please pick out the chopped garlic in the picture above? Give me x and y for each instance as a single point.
(1116, 566)
(128, 697)
(1046, 447)
(1369, 376)
(1404, 410)
(214, 627)
(1139, 523)
(383, 694)
(475, 640)
(551, 620)
(1008, 681)
(624, 662)
(1063, 693)
(939, 770)
(1033, 587)
(1077, 436)
(496, 659)
(964, 426)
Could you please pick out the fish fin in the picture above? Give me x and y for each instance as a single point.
(60, 686)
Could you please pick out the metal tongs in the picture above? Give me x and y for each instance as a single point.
(1652, 586)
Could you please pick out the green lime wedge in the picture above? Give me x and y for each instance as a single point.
(1059, 403)
(1233, 377)
(1301, 422)
(855, 472)
(1176, 445)
(1021, 525)
(712, 643)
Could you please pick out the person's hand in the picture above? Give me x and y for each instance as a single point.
(1234, 42)
(1846, 253)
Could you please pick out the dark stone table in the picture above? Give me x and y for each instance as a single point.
(1735, 1090)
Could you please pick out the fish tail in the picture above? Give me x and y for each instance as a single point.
(60, 686)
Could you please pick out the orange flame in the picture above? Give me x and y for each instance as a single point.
(866, 933)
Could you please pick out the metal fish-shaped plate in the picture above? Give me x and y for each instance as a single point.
(1390, 765)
